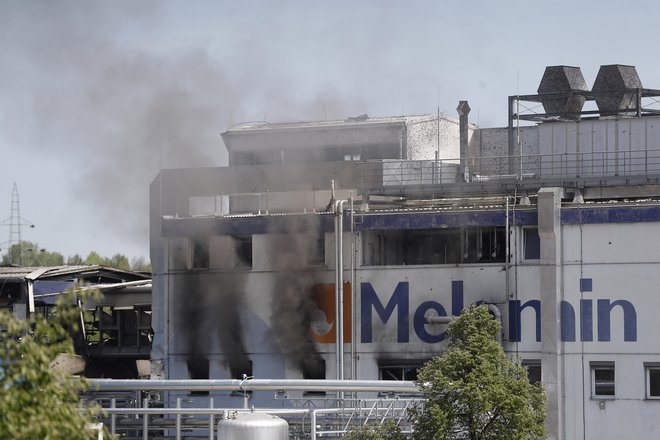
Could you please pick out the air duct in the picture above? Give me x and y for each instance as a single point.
(615, 89)
(562, 85)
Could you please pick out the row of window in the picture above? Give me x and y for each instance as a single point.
(400, 247)
(603, 377)
(434, 246)
(111, 329)
(603, 380)
(603, 384)
(305, 155)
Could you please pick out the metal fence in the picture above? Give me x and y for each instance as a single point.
(135, 409)
(397, 176)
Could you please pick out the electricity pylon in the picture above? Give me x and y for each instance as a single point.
(15, 221)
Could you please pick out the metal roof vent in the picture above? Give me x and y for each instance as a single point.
(566, 81)
(615, 89)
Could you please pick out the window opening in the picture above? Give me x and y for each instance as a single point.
(653, 381)
(435, 246)
(316, 251)
(533, 370)
(243, 246)
(399, 370)
(200, 254)
(602, 379)
(532, 244)
(313, 368)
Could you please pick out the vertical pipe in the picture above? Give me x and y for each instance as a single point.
(337, 278)
(211, 419)
(113, 417)
(178, 419)
(353, 308)
(511, 140)
(312, 433)
(145, 420)
(340, 287)
(507, 247)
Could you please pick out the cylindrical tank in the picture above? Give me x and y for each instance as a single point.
(252, 426)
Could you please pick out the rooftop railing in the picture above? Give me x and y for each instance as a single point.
(137, 409)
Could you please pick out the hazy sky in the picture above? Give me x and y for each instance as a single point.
(96, 96)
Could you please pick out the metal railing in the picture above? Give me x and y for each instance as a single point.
(602, 164)
(134, 409)
(391, 176)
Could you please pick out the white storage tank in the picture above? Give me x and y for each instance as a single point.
(252, 426)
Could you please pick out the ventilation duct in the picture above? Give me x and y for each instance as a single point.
(563, 85)
(615, 89)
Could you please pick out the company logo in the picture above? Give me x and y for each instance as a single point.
(324, 316)
(399, 304)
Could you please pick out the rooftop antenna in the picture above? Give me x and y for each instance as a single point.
(437, 150)
(325, 115)
(15, 221)
(520, 168)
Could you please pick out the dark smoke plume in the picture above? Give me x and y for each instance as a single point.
(79, 92)
(209, 307)
(292, 304)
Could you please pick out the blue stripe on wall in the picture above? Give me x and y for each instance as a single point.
(407, 220)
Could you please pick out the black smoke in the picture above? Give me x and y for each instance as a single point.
(292, 305)
(209, 306)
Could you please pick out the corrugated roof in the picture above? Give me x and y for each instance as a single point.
(18, 273)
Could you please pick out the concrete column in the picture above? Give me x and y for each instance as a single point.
(551, 289)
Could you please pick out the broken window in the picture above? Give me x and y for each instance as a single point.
(200, 253)
(399, 370)
(243, 247)
(316, 250)
(533, 367)
(435, 246)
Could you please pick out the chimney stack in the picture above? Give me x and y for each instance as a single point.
(463, 110)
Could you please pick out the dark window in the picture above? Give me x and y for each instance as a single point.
(198, 367)
(239, 367)
(653, 382)
(602, 379)
(200, 254)
(243, 246)
(109, 329)
(532, 244)
(533, 370)
(313, 367)
(403, 370)
(316, 251)
(435, 246)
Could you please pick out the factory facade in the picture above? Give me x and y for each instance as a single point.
(340, 249)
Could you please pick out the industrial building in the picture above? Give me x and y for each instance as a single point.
(338, 249)
(115, 338)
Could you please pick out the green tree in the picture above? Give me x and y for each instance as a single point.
(118, 261)
(474, 391)
(389, 430)
(29, 254)
(94, 259)
(140, 264)
(38, 401)
(75, 260)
